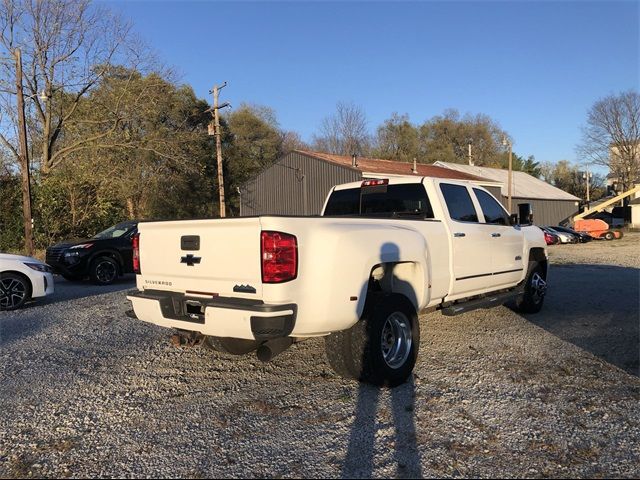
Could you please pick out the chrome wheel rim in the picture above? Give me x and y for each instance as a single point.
(396, 340)
(105, 272)
(13, 292)
(538, 287)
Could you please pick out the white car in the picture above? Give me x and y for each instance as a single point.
(563, 236)
(23, 278)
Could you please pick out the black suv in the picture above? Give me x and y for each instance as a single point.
(103, 257)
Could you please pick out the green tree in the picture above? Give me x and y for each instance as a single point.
(572, 179)
(11, 226)
(446, 138)
(528, 165)
(252, 141)
(397, 139)
(157, 163)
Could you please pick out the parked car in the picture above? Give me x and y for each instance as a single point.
(382, 251)
(102, 257)
(551, 238)
(564, 237)
(582, 237)
(21, 279)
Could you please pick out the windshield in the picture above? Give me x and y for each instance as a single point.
(115, 231)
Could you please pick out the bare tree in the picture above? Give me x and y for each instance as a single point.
(344, 132)
(292, 141)
(611, 136)
(68, 46)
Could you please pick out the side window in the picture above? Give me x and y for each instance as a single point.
(459, 202)
(493, 211)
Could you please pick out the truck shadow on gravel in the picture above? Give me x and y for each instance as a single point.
(66, 290)
(595, 307)
(361, 452)
(32, 318)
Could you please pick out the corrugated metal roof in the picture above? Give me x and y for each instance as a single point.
(380, 166)
(523, 186)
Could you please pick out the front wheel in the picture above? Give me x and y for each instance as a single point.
(609, 235)
(104, 270)
(382, 347)
(535, 289)
(15, 290)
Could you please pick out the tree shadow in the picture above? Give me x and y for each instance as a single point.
(595, 307)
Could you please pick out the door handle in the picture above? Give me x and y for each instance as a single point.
(494, 235)
(459, 234)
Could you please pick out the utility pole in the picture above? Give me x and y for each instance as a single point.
(505, 142)
(587, 175)
(24, 157)
(217, 133)
(470, 156)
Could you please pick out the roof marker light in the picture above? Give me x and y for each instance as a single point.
(375, 183)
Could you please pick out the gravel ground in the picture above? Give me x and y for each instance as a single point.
(624, 252)
(88, 392)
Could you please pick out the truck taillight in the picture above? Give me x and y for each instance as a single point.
(279, 252)
(135, 242)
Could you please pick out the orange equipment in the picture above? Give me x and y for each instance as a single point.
(596, 228)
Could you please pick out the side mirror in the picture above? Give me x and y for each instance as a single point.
(525, 213)
(513, 219)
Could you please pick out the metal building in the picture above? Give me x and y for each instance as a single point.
(550, 204)
(299, 182)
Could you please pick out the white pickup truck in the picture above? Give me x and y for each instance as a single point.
(382, 251)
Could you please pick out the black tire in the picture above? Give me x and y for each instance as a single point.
(103, 271)
(15, 290)
(232, 346)
(360, 352)
(534, 291)
(609, 235)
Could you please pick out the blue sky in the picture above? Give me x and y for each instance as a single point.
(534, 67)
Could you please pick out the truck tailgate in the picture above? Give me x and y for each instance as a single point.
(218, 256)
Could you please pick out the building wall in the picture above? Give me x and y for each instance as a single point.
(635, 216)
(281, 189)
(546, 212)
(496, 192)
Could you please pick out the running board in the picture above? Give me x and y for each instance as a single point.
(488, 301)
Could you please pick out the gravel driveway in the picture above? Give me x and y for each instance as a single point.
(87, 391)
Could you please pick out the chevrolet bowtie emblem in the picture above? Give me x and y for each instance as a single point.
(190, 260)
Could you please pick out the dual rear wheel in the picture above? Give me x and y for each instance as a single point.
(382, 347)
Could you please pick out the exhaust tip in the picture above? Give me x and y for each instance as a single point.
(264, 354)
(269, 349)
